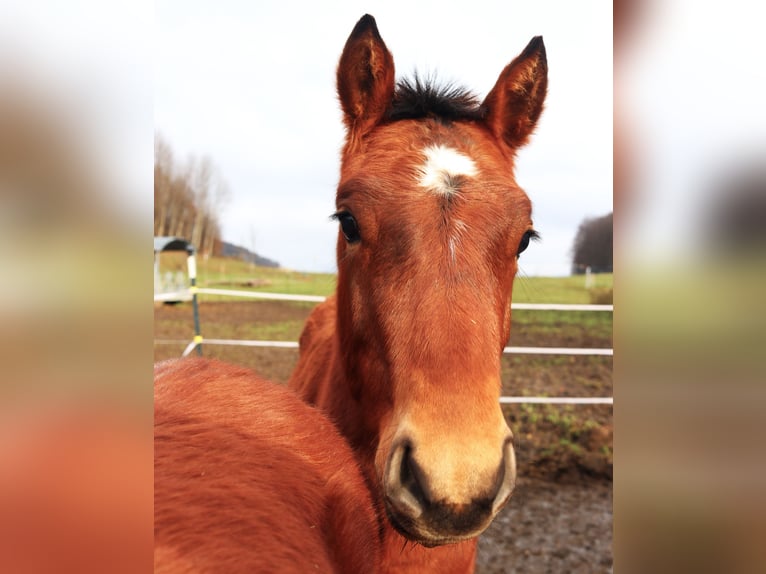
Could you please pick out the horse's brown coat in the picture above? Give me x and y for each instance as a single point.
(248, 478)
(405, 357)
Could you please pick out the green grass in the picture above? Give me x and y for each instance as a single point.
(568, 444)
(233, 274)
(561, 324)
(569, 290)
(278, 331)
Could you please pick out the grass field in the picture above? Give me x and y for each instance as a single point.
(552, 441)
(234, 274)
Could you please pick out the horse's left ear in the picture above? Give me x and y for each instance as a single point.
(365, 78)
(514, 105)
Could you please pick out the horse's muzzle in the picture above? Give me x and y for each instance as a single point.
(432, 518)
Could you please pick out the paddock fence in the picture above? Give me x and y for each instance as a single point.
(198, 340)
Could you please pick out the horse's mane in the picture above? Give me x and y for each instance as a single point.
(418, 98)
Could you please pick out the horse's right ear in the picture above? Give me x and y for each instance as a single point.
(514, 105)
(365, 78)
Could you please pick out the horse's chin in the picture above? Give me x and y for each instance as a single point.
(417, 535)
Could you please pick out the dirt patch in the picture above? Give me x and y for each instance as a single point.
(560, 517)
(563, 443)
(550, 528)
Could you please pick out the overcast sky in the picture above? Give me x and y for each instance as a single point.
(251, 84)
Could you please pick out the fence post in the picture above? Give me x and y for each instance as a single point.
(191, 263)
(588, 277)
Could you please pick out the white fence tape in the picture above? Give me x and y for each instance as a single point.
(507, 350)
(259, 295)
(282, 344)
(556, 351)
(560, 307)
(557, 400)
(320, 298)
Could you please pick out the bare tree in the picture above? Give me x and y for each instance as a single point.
(187, 199)
(163, 168)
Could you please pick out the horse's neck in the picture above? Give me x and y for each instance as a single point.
(353, 416)
(356, 413)
(347, 394)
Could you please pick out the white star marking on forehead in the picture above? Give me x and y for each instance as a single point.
(441, 168)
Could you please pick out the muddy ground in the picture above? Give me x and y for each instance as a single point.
(559, 519)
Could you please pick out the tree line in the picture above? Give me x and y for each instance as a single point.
(593, 246)
(188, 196)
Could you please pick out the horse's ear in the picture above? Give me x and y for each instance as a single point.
(365, 77)
(514, 105)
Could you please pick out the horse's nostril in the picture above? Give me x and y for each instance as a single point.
(403, 489)
(412, 477)
(508, 480)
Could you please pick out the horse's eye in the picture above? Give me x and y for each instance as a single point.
(529, 235)
(348, 226)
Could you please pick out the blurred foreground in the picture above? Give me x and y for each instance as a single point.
(76, 139)
(690, 319)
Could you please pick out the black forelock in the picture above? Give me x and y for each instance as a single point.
(417, 98)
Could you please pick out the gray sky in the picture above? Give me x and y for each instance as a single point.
(251, 84)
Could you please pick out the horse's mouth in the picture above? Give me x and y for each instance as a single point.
(418, 533)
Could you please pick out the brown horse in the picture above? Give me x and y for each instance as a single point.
(405, 357)
(249, 478)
